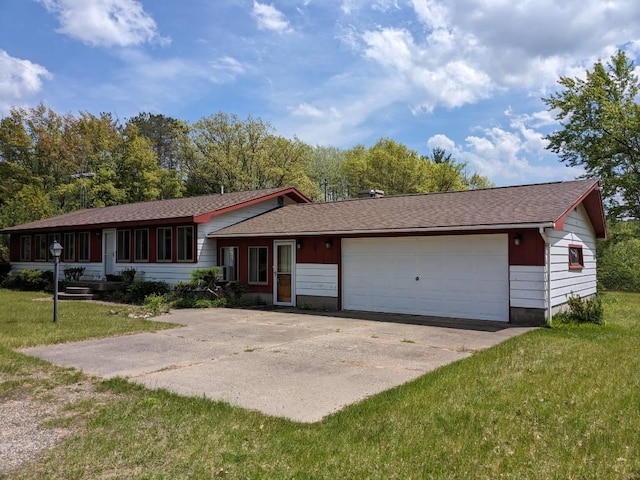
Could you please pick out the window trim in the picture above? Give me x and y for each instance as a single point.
(86, 235)
(41, 254)
(258, 248)
(164, 229)
(69, 252)
(181, 243)
(135, 245)
(225, 267)
(119, 254)
(579, 265)
(26, 241)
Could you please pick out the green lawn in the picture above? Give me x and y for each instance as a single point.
(555, 403)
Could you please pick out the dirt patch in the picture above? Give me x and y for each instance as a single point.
(31, 424)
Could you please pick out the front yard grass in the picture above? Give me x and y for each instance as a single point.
(554, 403)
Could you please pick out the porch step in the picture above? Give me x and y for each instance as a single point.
(76, 296)
(78, 290)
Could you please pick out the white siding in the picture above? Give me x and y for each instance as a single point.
(319, 280)
(527, 286)
(565, 282)
(92, 270)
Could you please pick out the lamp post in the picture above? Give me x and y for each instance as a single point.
(56, 250)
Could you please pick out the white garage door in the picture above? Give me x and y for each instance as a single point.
(459, 276)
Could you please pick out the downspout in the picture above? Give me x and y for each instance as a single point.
(547, 247)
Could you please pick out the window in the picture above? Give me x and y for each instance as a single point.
(163, 252)
(185, 244)
(258, 264)
(25, 248)
(124, 246)
(41, 248)
(229, 263)
(84, 243)
(69, 246)
(576, 261)
(141, 240)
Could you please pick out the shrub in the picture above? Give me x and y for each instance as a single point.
(137, 291)
(128, 275)
(582, 310)
(5, 269)
(206, 276)
(73, 273)
(31, 280)
(156, 304)
(619, 266)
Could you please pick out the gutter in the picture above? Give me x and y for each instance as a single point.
(506, 226)
(547, 246)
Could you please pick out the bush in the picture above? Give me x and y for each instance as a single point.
(156, 304)
(206, 276)
(137, 292)
(73, 273)
(582, 310)
(31, 280)
(5, 270)
(619, 266)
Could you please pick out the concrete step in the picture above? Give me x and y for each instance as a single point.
(78, 290)
(76, 296)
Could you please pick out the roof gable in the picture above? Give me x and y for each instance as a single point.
(524, 206)
(188, 209)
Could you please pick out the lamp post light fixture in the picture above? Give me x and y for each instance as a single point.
(56, 251)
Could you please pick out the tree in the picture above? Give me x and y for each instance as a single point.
(236, 155)
(600, 121)
(168, 137)
(326, 171)
(388, 165)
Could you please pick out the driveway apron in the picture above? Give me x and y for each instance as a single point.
(292, 365)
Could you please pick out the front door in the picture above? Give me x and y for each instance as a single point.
(109, 251)
(283, 272)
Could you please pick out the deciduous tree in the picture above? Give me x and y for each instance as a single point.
(600, 120)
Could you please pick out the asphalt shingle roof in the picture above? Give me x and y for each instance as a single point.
(176, 208)
(519, 205)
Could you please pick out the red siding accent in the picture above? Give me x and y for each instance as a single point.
(14, 248)
(530, 251)
(96, 245)
(243, 245)
(313, 250)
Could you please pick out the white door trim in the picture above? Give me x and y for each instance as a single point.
(109, 254)
(292, 273)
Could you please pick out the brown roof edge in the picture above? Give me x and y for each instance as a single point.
(459, 228)
(291, 192)
(592, 201)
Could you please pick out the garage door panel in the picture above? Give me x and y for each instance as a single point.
(462, 276)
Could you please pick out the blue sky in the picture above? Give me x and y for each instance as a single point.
(464, 75)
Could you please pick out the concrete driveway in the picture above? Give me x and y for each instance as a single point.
(287, 364)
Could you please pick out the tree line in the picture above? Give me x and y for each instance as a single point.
(53, 163)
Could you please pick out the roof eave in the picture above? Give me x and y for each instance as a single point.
(455, 228)
(291, 192)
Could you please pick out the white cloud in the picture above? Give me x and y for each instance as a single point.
(105, 22)
(19, 80)
(465, 51)
(434, 81)
(269, 17)
(510, 155)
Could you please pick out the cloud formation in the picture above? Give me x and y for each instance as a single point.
(19, 80)
(105, 23)
(270, 18)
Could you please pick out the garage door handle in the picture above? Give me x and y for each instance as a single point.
(417, 278)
